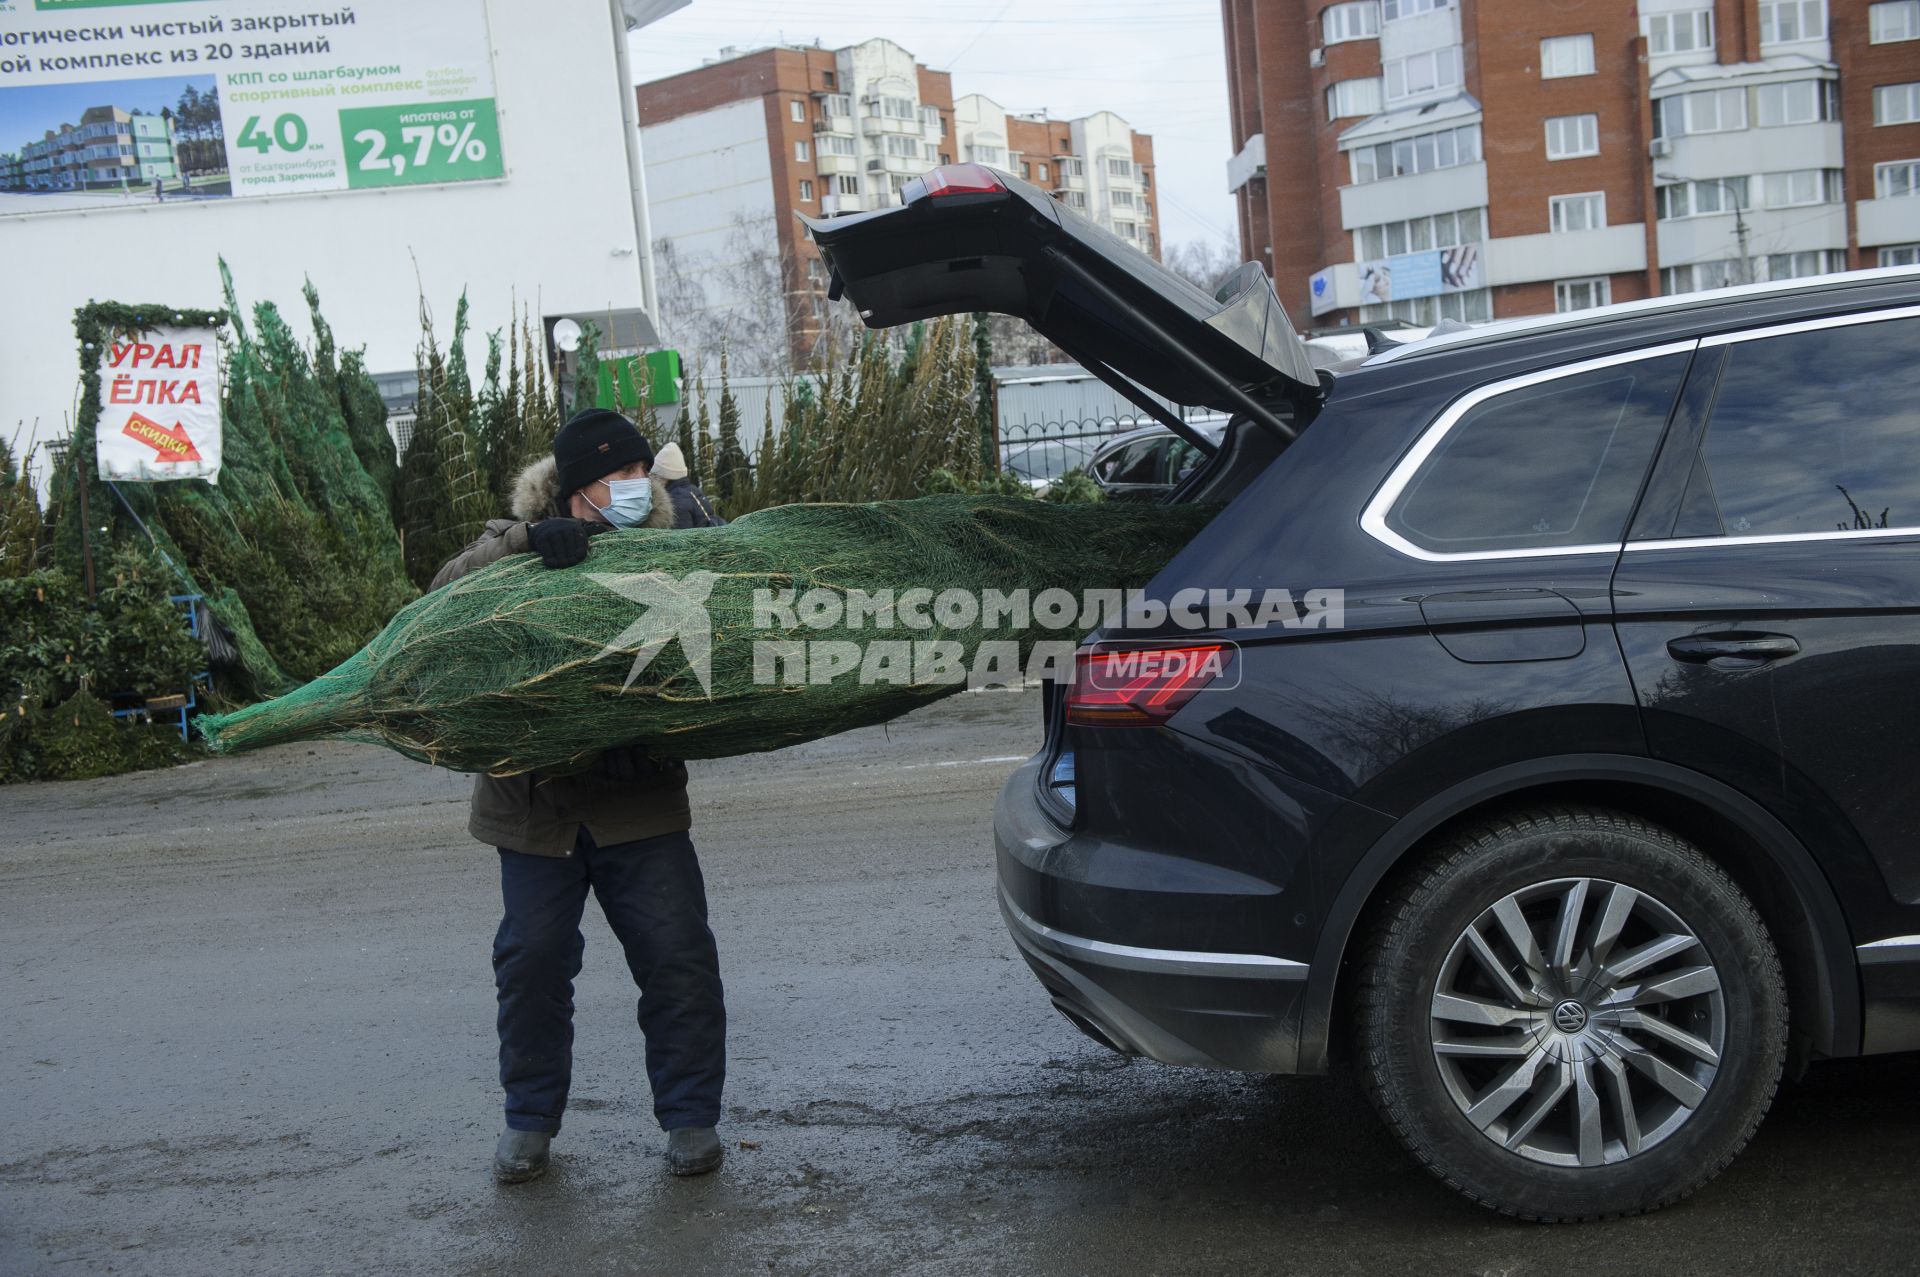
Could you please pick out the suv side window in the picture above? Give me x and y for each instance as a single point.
(1813, 431)
(1556, 463)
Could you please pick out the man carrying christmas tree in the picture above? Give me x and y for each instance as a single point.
(619, 829)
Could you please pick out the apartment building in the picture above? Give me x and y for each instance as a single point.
(1477, 159)
(1096, 165)
(109, 147)
(733, 149)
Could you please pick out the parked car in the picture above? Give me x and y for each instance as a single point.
(1597, 811)
(1039, 463)
(1146, 464)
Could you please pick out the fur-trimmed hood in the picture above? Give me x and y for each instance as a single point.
(536, 496)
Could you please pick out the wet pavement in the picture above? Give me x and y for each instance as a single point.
(248, 1028)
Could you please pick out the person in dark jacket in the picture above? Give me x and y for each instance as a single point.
(619, 829)
(692, 508)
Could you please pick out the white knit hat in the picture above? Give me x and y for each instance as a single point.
(669, 463)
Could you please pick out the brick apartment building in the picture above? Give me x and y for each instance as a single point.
(733, 149)
(1477, 159)
(1096, 165)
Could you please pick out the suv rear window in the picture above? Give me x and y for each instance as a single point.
(1554, 464)
(1811, 432)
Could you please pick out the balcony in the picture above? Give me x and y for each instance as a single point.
(872, 125)
(912, 165)
(1250, 163)
(828, 163)
(1888, 221)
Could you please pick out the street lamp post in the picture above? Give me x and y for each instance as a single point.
(1740, 230)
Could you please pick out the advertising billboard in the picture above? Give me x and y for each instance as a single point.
(1426, 274)
(110, 102)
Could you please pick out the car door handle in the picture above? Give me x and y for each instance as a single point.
(1753, 647)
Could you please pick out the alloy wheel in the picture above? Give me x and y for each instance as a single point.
(1578, 1022)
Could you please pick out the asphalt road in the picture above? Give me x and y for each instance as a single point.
(247, 1017)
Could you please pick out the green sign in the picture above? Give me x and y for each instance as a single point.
(421, 142)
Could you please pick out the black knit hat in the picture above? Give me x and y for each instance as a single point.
(593, 444)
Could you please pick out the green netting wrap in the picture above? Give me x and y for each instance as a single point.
(519, 667)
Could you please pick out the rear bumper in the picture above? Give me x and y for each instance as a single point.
(1197, 1007)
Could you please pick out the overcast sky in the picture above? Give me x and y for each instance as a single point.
(1160, 64)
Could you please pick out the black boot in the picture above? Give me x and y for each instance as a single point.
(520, 1156)
(693, 1150)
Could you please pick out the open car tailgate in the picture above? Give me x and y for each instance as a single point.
(970, 238)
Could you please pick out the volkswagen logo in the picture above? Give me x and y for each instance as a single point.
(1569, 1017)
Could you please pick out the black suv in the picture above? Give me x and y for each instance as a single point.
(1595, 811)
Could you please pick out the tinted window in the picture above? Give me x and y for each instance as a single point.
(1553, 464)
(1135, 463)
(1812, 432)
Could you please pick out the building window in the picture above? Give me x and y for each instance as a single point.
(799, 110)
(1418, 154)
(1077, 199)
(800, 153)
(826, 79)
(892, 108)
(1784, 21)
(806, 191)
(1026, 171)
(1709, 111)
(847, 184)
(1127, 230)
(994, 155)
(1122, 169)
(1797, 102)
(1123, 199)
(945, 158)
(1039, 171)
(1900, 255)
(1896, 103)
(835, 144)
(1819, 261)
(1582, 294)
(1571, 136)
(839, 104)
(1700, 199)
(1473, 307)
(1565, 55)
(1586, 212)
(1392, 9)
(1683, 32)
(1802, 186)
(1895, 20)
(1416, 235)
(930, 120)
(1357, 20)
(1700, 276)
(1353, 97)
(1073, 167)
(1898, 180)
(908, 148)
(1426, 72)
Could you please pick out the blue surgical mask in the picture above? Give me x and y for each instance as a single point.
(629, 502)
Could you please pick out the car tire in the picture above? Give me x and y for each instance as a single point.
(1570, 1102)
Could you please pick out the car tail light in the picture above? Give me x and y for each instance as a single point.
(1141, 686)
(956, 179)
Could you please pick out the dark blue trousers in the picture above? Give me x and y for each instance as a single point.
(656, 903)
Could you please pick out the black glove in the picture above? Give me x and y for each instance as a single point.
(560, 543)
(628, 763)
